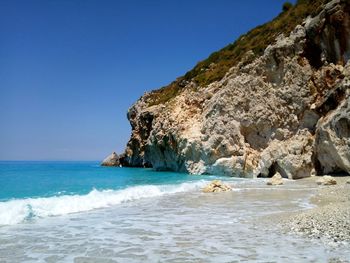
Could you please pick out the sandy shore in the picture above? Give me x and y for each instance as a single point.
(330, 219)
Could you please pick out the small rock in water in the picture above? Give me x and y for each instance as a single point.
(276, 179)
(216, 186)
(326, 180)
(111, 160)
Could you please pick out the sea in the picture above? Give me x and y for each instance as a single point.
(82, 212)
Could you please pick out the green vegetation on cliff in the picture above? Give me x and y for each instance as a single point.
(218, 63)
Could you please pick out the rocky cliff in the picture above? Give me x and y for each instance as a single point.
(285, 109)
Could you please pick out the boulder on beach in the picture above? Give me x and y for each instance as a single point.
(326, 180)
(216, 186)
(276, 179)
(111, 160)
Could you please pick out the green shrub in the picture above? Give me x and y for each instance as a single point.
(218, 63)
(286, 6)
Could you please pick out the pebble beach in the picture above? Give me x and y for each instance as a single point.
(329, 220)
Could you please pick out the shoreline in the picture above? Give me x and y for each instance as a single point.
(185, 226)
(329, 220)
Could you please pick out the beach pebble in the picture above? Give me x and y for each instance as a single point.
(326, 180)
(276, 179)
(328, 221)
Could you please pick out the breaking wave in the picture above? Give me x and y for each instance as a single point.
(21, 210)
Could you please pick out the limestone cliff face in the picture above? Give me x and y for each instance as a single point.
(287, 111)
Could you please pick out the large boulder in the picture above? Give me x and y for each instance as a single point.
(291, 158)
(332, 144)
(111, 160)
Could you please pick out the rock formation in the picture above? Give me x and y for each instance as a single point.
(216, 186)
(333, 140)
(275, 180)
(111, 160)
(326, 180)
(286, 111)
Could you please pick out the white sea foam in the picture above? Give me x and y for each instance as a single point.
(17, 211)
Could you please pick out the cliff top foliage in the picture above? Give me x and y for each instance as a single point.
(218, 63)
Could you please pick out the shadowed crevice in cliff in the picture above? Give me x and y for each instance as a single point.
(332, 100)
(313, 53)
(342, 128)
(328, 36)
(275, 168)
(256, 137)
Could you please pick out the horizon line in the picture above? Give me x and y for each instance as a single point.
(48, 160)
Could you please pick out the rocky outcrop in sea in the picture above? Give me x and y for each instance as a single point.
(286, 111)
(111, 160)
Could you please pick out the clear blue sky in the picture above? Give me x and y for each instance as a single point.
(69, 70)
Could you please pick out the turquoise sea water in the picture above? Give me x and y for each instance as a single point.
(45, 179)
(31, 190)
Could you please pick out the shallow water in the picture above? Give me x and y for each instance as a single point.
(185, 225)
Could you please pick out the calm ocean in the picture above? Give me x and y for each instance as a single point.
(81, 212)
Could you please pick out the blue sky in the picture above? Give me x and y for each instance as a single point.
(69, 70)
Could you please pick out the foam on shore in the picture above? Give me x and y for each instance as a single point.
(21, 210)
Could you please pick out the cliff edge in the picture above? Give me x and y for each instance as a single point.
(256, 108)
